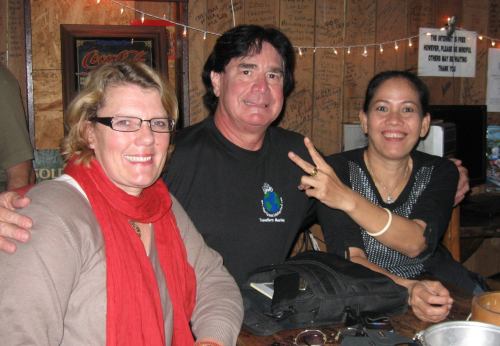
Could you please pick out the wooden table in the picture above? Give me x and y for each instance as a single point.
(406, 325)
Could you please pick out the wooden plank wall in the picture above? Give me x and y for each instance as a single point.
(329, 86)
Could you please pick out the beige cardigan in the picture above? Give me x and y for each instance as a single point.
(53, 289)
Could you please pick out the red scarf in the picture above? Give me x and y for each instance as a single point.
(134, 311)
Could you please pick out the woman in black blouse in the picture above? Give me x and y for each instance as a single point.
(388, 205)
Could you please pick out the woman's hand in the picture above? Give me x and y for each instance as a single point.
(321, 182)
(13, 226)
(429, 300)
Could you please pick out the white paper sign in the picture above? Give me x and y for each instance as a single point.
(443, 56)
(493, 88)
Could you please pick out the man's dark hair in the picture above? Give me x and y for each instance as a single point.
(241, 41)
(417, 83)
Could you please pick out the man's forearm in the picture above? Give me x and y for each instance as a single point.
(20, 175)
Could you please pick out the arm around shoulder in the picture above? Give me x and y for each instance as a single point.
(13, 226)
(218, 313)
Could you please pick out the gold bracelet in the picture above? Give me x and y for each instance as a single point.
(386, 227)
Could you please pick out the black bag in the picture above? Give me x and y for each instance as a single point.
(315, 289)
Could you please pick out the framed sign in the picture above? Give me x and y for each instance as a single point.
(85, 47)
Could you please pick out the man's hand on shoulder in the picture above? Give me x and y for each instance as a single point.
(13, 226)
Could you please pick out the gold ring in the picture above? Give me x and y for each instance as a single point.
(314, 172)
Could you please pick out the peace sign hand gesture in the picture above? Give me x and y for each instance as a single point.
(321, 182)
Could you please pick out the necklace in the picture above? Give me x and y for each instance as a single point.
(389, 193)
(135, 227)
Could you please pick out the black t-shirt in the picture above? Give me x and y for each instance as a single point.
(246, 204)
(428, 196)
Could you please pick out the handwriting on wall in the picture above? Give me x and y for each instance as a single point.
(262, 12)
(16, 29)
(297, 21)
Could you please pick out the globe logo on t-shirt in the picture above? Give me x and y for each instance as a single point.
(272, 203)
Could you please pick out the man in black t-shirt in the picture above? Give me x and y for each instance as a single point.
(231, 171)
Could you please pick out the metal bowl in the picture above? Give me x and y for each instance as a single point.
(460, 333)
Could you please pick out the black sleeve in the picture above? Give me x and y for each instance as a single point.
(435, 204)
(339, 230)
(181, 169)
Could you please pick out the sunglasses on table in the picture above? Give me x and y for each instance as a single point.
(310, 337)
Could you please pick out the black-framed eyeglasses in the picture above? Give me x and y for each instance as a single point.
(132, 124)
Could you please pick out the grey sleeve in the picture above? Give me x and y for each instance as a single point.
(36, 282)
(218, 313)
(15, 146)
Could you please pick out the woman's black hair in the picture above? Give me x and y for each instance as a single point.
(418, 84)
(241, 41)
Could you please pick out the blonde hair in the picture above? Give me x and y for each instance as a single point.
(86, 104)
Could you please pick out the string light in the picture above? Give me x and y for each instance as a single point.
(300, 52)
(365, 52)
(98, 1)
(124, 6)
(204, 36)
(184, 32)
(314, 50)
